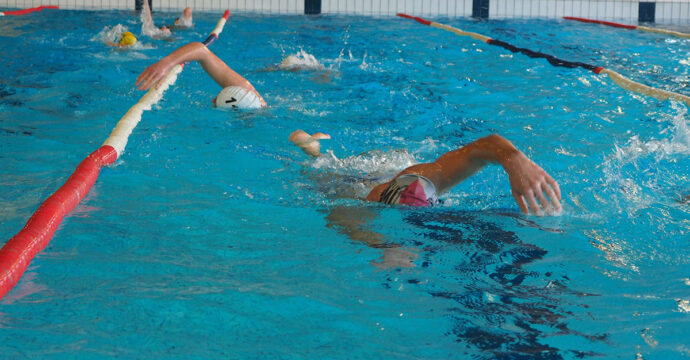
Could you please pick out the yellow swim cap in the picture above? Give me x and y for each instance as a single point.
(128, 38)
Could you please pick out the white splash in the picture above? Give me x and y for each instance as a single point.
(617, 166)
(683, 305)
(372, 163)
(110, 33)
(364, 65)
(148, 28)
(300, 61)
(678, 144)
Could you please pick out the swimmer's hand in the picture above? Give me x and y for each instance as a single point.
(154, 74)
(530, 183)
(308, 143)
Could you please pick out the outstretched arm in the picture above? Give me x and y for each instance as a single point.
(529, 183)
(196, 51)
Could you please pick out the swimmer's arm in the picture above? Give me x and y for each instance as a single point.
(218, 70)
(353, 222)
(147, 21)
(528, 181)
(156, 72)
(146, 12)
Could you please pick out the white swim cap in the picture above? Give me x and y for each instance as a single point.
(238, 97)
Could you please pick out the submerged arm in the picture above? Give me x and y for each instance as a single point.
(353, 222)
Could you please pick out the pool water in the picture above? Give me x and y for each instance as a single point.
(212, 237)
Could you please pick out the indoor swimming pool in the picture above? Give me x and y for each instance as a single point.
(212, 236)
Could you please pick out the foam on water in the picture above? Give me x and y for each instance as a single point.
(651, 158)
(300, 61)
(111, 34)
(371, 163)
(148, 28)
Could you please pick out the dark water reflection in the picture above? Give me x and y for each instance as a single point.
(504, 309)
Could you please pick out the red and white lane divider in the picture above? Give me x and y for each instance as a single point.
(630, 27)
(18, 252)
(26, 11)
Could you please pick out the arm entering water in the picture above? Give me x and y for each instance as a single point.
(147, 25)
(218, 70)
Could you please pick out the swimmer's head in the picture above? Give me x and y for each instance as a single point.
(127, 38)
(415, 195)
(410, 189)
(237, 97)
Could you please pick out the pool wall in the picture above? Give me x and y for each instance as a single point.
(660, 11)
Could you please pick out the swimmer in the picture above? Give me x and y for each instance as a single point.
(126, 39)
(303, 61)
(147, 26)
(534, 190)
(184, 21)
(237, 91)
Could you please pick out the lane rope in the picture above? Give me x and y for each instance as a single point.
(18, 252)
(617, 78)
(26, 11)
(630, 27)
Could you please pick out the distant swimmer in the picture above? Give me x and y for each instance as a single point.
(300, 61)
(148, 28)
(184, 21)
(533, 189)
(237, 91)
(303, 61)
(126, 39)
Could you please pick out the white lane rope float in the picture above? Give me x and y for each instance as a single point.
(18, 252)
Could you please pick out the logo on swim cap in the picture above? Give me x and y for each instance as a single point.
(410, 189)
(414, 195)
(237, 97)
(128, 38)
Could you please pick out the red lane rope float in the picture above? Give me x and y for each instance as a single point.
(630, 27)
(26, 11)
(617, 78)
(17, 253)
(607, 23)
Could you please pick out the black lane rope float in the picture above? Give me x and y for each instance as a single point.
(617, 78)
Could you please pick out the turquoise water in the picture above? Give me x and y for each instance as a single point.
(213, 238)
